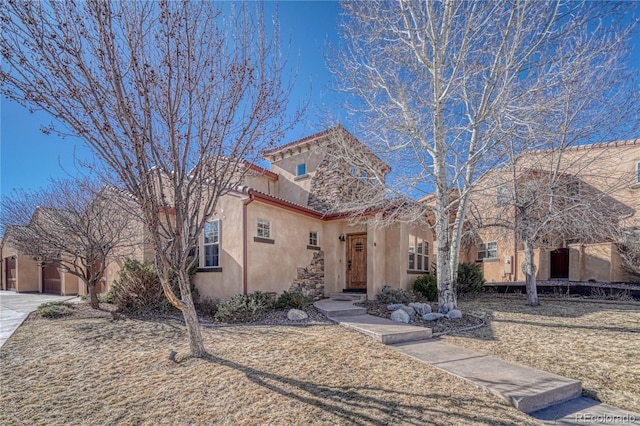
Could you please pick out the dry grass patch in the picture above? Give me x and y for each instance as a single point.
(597, 343)
(96, 371)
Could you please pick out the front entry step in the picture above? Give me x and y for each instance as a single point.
(339, 308)
(348, 297)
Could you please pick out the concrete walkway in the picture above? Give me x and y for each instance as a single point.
(547, 397)
(15, 307)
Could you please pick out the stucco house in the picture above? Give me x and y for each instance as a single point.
(608, 172)
(283, 230)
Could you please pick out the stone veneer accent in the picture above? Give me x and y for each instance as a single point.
(329, 188)
(310, 280)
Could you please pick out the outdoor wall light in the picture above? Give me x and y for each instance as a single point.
(342, 238)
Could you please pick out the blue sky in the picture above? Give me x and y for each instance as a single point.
(28, 158)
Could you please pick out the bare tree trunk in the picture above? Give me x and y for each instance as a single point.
(529, 269)
(93, 297)
(196, 344)
(446, 291)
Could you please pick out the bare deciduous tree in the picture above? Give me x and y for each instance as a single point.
(441, 86)
(72, 224)
(172, 97)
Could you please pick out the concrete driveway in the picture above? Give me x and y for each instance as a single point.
(14, 308)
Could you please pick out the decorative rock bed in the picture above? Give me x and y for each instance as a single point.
(424, 316)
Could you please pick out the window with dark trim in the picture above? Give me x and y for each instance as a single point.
(210, 252)
(487, 251)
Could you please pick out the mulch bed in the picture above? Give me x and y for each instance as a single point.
(438, 327)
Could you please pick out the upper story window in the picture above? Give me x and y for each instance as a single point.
(313, 238)
(638, 172)
(352, 170)
(264, 228)
(502, 195)
(301, 169)
(210, 253)
(488, 251)
(418, 254)
(363, 176)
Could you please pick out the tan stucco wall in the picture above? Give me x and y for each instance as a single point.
(597, 262)
(273, 267)
(229, 282)
(290, 188)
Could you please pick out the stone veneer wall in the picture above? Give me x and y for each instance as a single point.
(310, 280)
(329, 188)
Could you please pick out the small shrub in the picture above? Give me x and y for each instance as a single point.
(397, 296)
(138, 288)
(55, 309)
(470, 279)
(426, 286)
(207, 307)
(242, 308)
(293, 300)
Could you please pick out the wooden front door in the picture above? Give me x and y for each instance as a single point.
(559, 263)
(357, 261)
(10, 269)
(51, 280)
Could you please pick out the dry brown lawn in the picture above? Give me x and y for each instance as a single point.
(597, 343)
(95, 371)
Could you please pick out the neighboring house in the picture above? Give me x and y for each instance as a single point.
(607, 172)
(26, 274)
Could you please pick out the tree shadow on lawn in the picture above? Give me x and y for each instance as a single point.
(352, 403)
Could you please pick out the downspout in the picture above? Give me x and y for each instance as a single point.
(245, 242)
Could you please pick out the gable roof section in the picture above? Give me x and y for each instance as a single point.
(319, 136)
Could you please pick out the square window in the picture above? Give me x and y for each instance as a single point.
(301, 170)
(264, 228)
(313, 239)
(488, 250)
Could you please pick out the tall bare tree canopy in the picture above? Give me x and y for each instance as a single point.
(73, 224)
(172, 97)
(441, 86)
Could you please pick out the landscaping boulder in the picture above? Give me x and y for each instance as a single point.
(432, 317)
(296, 315)
(395, 306)
(421, 308)
(454, 314)
(400, 316)
(409, 310)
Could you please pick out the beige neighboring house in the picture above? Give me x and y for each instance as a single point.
(611, 168)
(26, 274)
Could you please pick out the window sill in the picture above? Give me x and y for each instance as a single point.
(487, 259)
(301, 177)
(209, 269)
(416, 272)
(635, 186)
(313, 247)
(263, 240)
